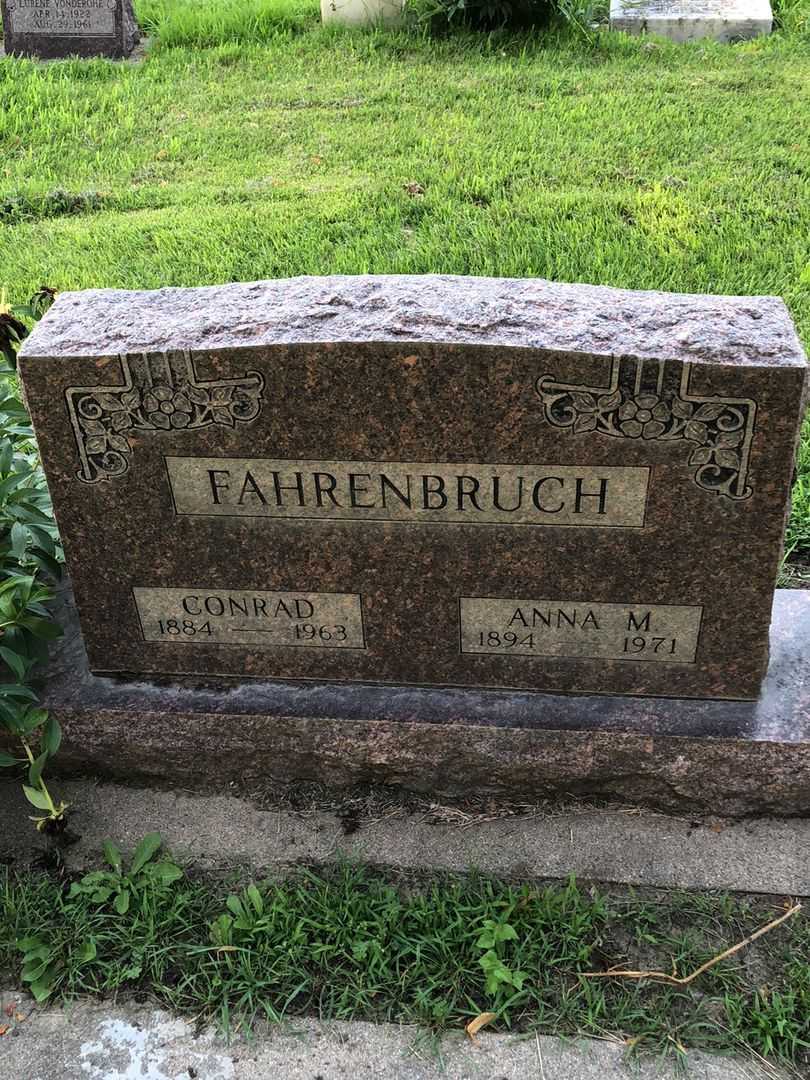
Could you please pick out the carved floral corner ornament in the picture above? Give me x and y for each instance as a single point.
(650, 399)
(160, 392)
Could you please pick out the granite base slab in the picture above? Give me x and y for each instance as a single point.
(729, 758)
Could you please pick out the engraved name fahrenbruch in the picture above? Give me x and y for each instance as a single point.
(160, 392)
(415, 492)
(650, 399)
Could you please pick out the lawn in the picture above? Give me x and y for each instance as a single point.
(354, 943)
(254, 143)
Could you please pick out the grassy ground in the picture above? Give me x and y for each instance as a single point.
(269, 146)
(351, 944)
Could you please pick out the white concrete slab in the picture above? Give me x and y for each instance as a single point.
(125, 1041)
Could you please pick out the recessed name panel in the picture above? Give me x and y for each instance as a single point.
(661, 633)
(199, 616)
(410, 492)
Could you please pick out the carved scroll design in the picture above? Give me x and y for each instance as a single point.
(650, 399)
(160, 392)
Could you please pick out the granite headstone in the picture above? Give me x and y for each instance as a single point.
(53, 29)
(693, 20)
(434, 481)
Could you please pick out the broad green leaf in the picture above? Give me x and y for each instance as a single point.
(7, 761)
(100, 895)
(51, 736)
(96, 877)
(16, 690)
(19, 540)
(10, 606)
(234, 904)
(15, 661)
(41, 952)
(86, 951)
(32, 719)
(11, 712)
(505, 933)
(35, 969)
(35, 772)
(31, 515)
(150, 844)
(23, 581)
(43, 539)
(112, 855)
(36, 798)
(26, 944)
(9, 485)
(42, 989)
(43, 628)
(46, 562)
(166, 873)
(121, 902)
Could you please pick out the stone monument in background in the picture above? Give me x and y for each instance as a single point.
(57, 29)
(693, 20)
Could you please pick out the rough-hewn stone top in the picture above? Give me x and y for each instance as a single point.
(533, 313)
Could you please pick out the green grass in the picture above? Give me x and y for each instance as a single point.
(264, 145)
(797, 541)
(195, 22)
(348, 943)
(792, 16)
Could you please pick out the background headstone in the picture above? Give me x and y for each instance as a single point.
(433, 481)
(690, 20)
(53, 29)
(362, 12)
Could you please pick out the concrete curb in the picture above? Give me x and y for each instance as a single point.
(100, 1042)
(627, 847)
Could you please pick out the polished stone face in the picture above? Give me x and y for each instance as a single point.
(51, 29)
(426, 481)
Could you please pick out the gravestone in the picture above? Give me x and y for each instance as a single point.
(692, 20)
(424, 481)
(54, 29)
(362, 12)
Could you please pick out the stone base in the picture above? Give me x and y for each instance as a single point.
(691, 20)
(728, 758)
